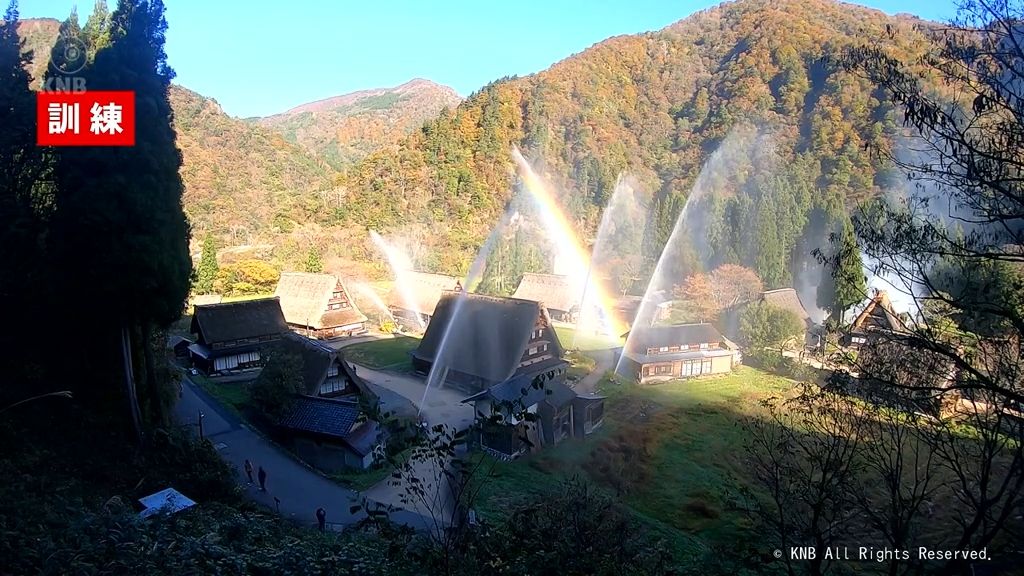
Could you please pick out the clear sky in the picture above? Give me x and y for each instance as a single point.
(258, 58)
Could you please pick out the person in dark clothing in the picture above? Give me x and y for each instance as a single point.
(248, 470)
(321, 518)
(262, 475)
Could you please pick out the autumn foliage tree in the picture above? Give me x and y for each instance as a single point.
(725, 287)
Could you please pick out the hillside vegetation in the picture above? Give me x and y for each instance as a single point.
(657, 106)
(752, 74)
(344, 129)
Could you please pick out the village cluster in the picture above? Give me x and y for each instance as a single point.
(490, 353)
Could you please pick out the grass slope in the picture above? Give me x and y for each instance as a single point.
(669, 451)
(388, 353)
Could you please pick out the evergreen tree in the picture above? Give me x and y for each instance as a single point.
(69, 54)
(314, 263)
(96, 32)
(120, 233)
(843, 283)
(208, 268)
(21, 165)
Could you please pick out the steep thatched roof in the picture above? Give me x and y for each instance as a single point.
(554, 291)
(489, 335)
(787, 299)
(304, 298)
(238, 320)
(878, 315)
(425, 289)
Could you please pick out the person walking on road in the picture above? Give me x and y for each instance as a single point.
(263, 479)
(321, 518)
(248, 470)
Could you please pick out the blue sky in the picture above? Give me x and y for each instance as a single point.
(258, 58)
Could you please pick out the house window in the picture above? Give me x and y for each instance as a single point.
(532, 350)
(663, 349)
(684, 347)
(706, 367)
(663, 369)
(859, 339)
(704, 346)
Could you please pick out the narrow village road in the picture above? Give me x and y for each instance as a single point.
(605, 362)
(292, 487)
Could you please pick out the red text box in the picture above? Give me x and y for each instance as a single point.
(100, 118)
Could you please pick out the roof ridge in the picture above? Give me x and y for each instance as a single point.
(326, 400)
(236, 302)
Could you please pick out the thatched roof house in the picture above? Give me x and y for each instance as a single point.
(318, 305)
(657, 353)
(324, 369)
(877, 318)
(425, 289)
(231, 336)
(788, 299)
(558, 293)
(488, 340)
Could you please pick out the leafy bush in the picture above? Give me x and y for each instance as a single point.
(277, 384)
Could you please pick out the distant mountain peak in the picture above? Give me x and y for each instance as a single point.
(416, 85)
(342, 129)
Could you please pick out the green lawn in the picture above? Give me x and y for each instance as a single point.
(669, 451)
(580, 364)
(570, 339)
(390, 353)
(234, 396)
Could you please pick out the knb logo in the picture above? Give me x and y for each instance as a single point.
(68, 57)
(803, 553)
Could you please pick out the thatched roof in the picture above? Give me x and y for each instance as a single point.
(317, 359)
(788, 299)
(554, 291)
(676, 335)
(238, 320)
(304, 299)
(425, 289)
(878, 315)
(488, 336)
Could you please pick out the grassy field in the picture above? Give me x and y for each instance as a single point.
(387, 353)
(232, 395)
(570, 339)
(670, 452)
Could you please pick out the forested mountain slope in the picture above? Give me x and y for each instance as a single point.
(654, 105)
(344, 129)
(657, 105)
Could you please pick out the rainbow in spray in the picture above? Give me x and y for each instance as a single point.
(571, 251)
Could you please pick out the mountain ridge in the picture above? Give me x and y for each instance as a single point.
(351, 97)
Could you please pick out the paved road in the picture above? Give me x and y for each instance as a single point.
(442, 406)
(300, 489)
(605, 362)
